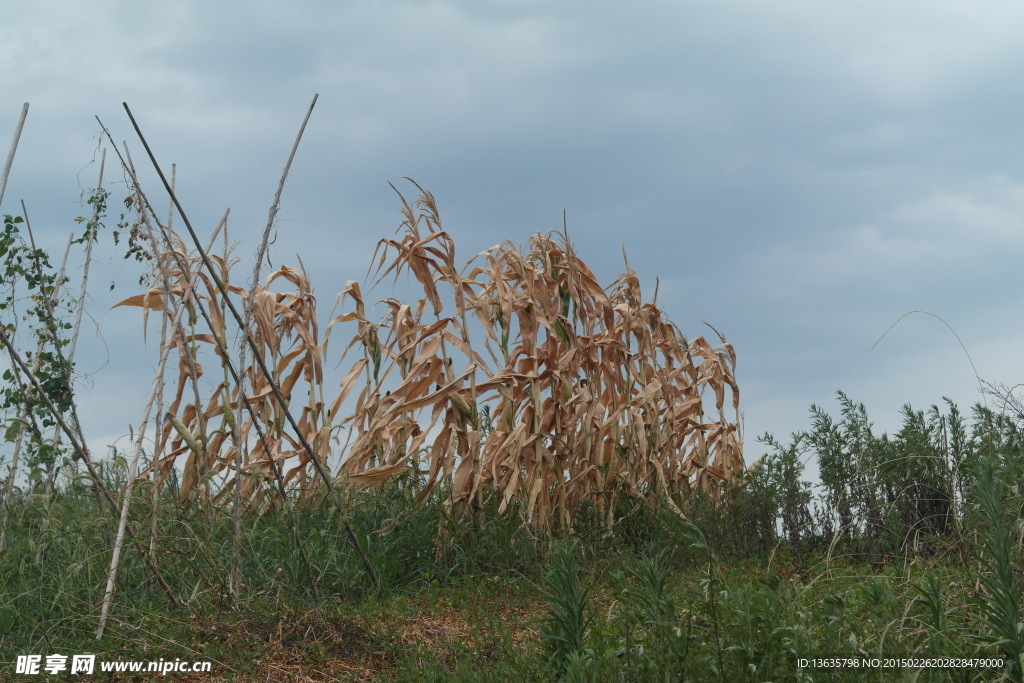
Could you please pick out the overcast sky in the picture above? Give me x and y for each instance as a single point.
(799, 174)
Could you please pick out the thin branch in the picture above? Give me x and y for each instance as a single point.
(981, 385)
(260, 255)
(90, 238)
(261, 252)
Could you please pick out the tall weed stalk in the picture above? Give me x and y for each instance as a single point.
(564, 627)
(710, 583)
(1000, 602)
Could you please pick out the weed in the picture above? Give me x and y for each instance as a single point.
(1000, 601)
(565, 625)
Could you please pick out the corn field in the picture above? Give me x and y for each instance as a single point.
(516, 377)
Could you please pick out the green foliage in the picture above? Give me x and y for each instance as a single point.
(709, 584)
(655, 645)
(97, 200)
(1000, 603)
(28, 280)
(882, 495)
(672, 612)
(778, 480)
(565, 624)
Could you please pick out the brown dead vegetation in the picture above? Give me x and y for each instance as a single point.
(517, 377)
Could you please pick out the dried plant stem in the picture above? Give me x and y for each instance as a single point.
(260, 255)
(182, 266)
(13, 149)
(314, 458)
(222, 344)
(133, 468)
(166, 332)
(262, 250)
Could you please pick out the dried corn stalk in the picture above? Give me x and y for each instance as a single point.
(517, 377)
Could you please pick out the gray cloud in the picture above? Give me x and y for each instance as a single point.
(798, 174)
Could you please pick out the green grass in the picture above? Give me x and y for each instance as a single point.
(656, 599)
(482, 614)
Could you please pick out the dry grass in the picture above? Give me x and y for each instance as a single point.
(517, 376)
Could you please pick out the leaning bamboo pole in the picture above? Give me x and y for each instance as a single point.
(240, 445)
(10, 153)
(220, 342)
(133, 468)
(266, 374)
(83, 452)
(23, 420)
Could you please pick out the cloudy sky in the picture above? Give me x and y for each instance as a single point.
(799, 174)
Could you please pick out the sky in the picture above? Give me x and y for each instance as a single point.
(798, 174)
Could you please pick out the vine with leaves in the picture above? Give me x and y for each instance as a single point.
(33, 306)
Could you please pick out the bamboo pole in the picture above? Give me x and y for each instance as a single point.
(222, 344)
(317, 465)
(236, 549)
(10, 153)
(82, 450)
(23, 421)
(133, 467)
